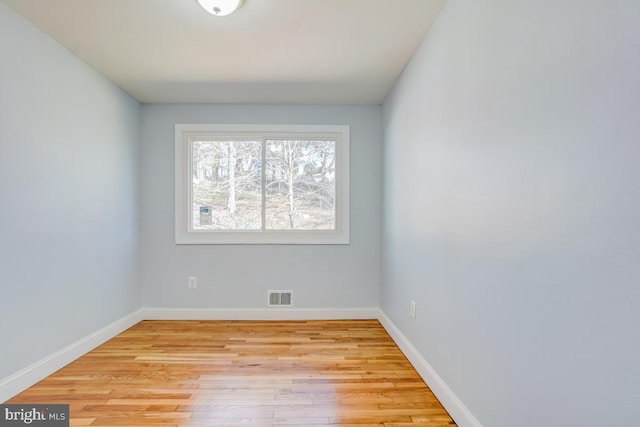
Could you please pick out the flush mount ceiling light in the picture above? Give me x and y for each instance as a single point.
(220, 7)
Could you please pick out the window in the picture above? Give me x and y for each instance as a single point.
(258, 184)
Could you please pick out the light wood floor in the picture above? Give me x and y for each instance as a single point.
(206, 373)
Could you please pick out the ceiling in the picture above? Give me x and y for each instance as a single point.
(268, 51)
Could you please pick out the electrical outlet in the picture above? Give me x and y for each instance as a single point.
(412, 309)
(192, 282)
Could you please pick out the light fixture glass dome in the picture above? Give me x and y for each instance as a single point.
(220, 7)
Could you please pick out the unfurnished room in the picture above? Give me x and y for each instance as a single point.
(303, 213)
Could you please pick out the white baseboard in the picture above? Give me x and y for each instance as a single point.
(30, 375)
(461, 415)
(159, 313)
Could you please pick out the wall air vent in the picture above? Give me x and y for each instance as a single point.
(280, 298)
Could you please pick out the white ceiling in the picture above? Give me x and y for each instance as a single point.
(269, 51)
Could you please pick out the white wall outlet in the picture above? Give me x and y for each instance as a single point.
(412, 309)
(192, 282)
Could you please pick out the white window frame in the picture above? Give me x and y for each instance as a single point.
(186, 235)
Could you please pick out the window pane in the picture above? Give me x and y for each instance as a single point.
(226, 185)
(300, 185)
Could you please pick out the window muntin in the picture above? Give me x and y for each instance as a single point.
(290, 184)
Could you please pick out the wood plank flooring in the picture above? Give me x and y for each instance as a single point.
(221, 373)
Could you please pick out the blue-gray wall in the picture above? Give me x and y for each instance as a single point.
(68, 192)
(512, 209)
(238, 276)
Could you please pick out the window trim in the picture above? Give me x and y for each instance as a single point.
(184, 133)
